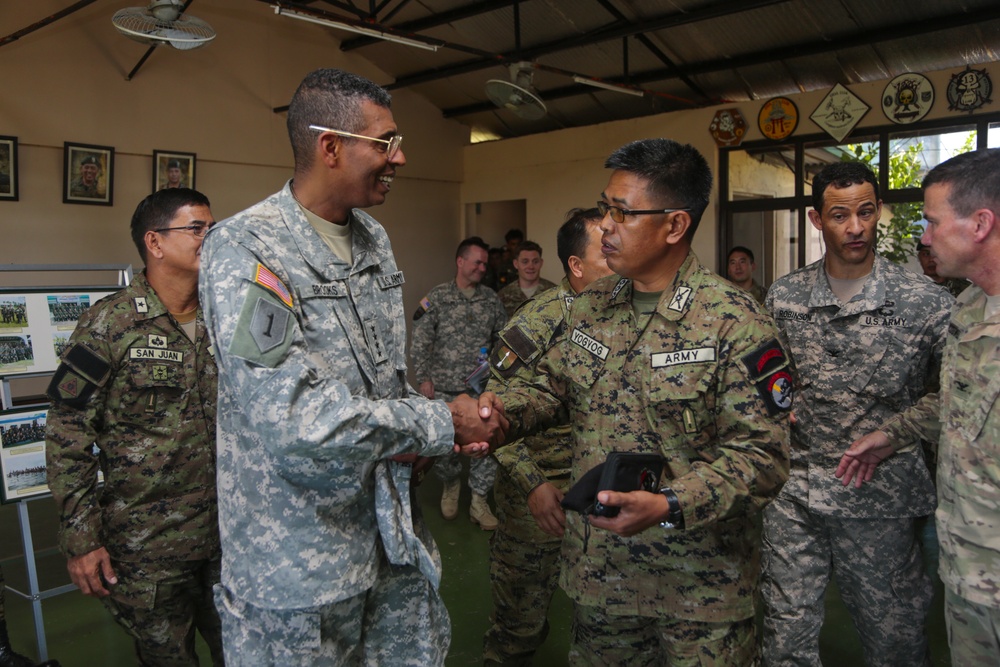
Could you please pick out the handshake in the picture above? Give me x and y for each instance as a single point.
(480, 425)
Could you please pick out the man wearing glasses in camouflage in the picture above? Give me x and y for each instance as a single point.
(138, 379)
(665, 358)
(324, 559)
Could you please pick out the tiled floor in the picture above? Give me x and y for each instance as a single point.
(81, 634)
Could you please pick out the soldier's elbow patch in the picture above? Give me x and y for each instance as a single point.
(264, 329)
(81, 372)
(768, 370)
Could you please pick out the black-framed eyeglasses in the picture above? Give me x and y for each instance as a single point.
(618, 214)
(391, 144)
(197, 230)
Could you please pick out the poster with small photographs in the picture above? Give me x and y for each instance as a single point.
(35, 327)
(22, 454)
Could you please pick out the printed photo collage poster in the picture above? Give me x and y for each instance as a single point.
(35, 327)
(22, 454)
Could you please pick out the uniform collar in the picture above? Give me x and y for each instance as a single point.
(315, 251)
(871, 297)
(145, 304)
(676, 299)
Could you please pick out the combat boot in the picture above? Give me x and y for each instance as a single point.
(449, 499)
(7, 656)
(479, 512)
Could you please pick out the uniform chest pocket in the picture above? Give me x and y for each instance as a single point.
(882, 367)
(153, 392)
(677, 403)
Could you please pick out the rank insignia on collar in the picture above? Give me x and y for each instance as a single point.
(680, 299)
(140, 305)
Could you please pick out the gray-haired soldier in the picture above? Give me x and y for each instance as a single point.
(325, 560)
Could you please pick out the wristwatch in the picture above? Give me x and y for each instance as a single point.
(675, 517)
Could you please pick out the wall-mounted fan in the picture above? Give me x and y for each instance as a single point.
(517, 95)
(161, 22)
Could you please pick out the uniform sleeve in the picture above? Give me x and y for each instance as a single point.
(748, 462)
(79, 391)
(499, 319)
(291, 406)
(516, 459)
(920, 421)
(422, 348)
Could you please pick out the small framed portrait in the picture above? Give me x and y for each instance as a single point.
(8, 168)
(88, 174)
(172, 169)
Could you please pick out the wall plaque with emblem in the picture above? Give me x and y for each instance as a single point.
(969, 89)
(839, 112)
(778, 118)
(907, 98)
(728, 127)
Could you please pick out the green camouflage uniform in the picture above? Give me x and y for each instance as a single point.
(963, 418)
(856, 365)
(512, 296)
(80, 189)
(524, 559)
(448, 332)
(758, 292)
(324, 558)
(133, 383)
(704, 384)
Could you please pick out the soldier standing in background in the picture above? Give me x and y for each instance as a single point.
(865, 337)
(528, 263)
(533, 473)
(453, 331)
(138, 379)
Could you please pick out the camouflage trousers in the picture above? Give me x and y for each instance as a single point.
(600, 639)
(524, 572)
(973, 631)
(880, 576)
(401, 620)
(482, 472)
(161, 606)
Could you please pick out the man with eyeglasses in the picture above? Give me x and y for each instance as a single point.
(665, 358)
(138, 379)
(325, 557)
(865, 338)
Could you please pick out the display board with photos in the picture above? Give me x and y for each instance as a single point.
(22, 454)
(35, 326)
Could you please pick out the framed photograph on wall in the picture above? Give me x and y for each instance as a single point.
(8, 168)
(88, 174)
(172, 169)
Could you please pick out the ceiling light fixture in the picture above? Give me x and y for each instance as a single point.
(608, 86)
(370, 32)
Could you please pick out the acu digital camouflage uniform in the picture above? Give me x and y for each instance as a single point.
(524, 559)
(856, 365)
(512, 296)
(133, 383)
(703, 384)
(324, 560)
(964, 419)
(448, 332)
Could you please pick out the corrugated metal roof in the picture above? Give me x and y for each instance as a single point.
(684, 53)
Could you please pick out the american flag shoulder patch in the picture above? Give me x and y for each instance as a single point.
(266, 278)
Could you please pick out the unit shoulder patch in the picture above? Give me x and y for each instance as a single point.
(263, 331)
(767, 368)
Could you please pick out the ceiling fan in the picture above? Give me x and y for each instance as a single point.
(517, 95)
(161, 22)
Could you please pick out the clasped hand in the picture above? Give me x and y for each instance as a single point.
(480, 426)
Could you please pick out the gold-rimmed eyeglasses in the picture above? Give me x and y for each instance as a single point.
(391, 144)
(618, 214)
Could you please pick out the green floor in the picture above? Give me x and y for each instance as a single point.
(80, 633)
